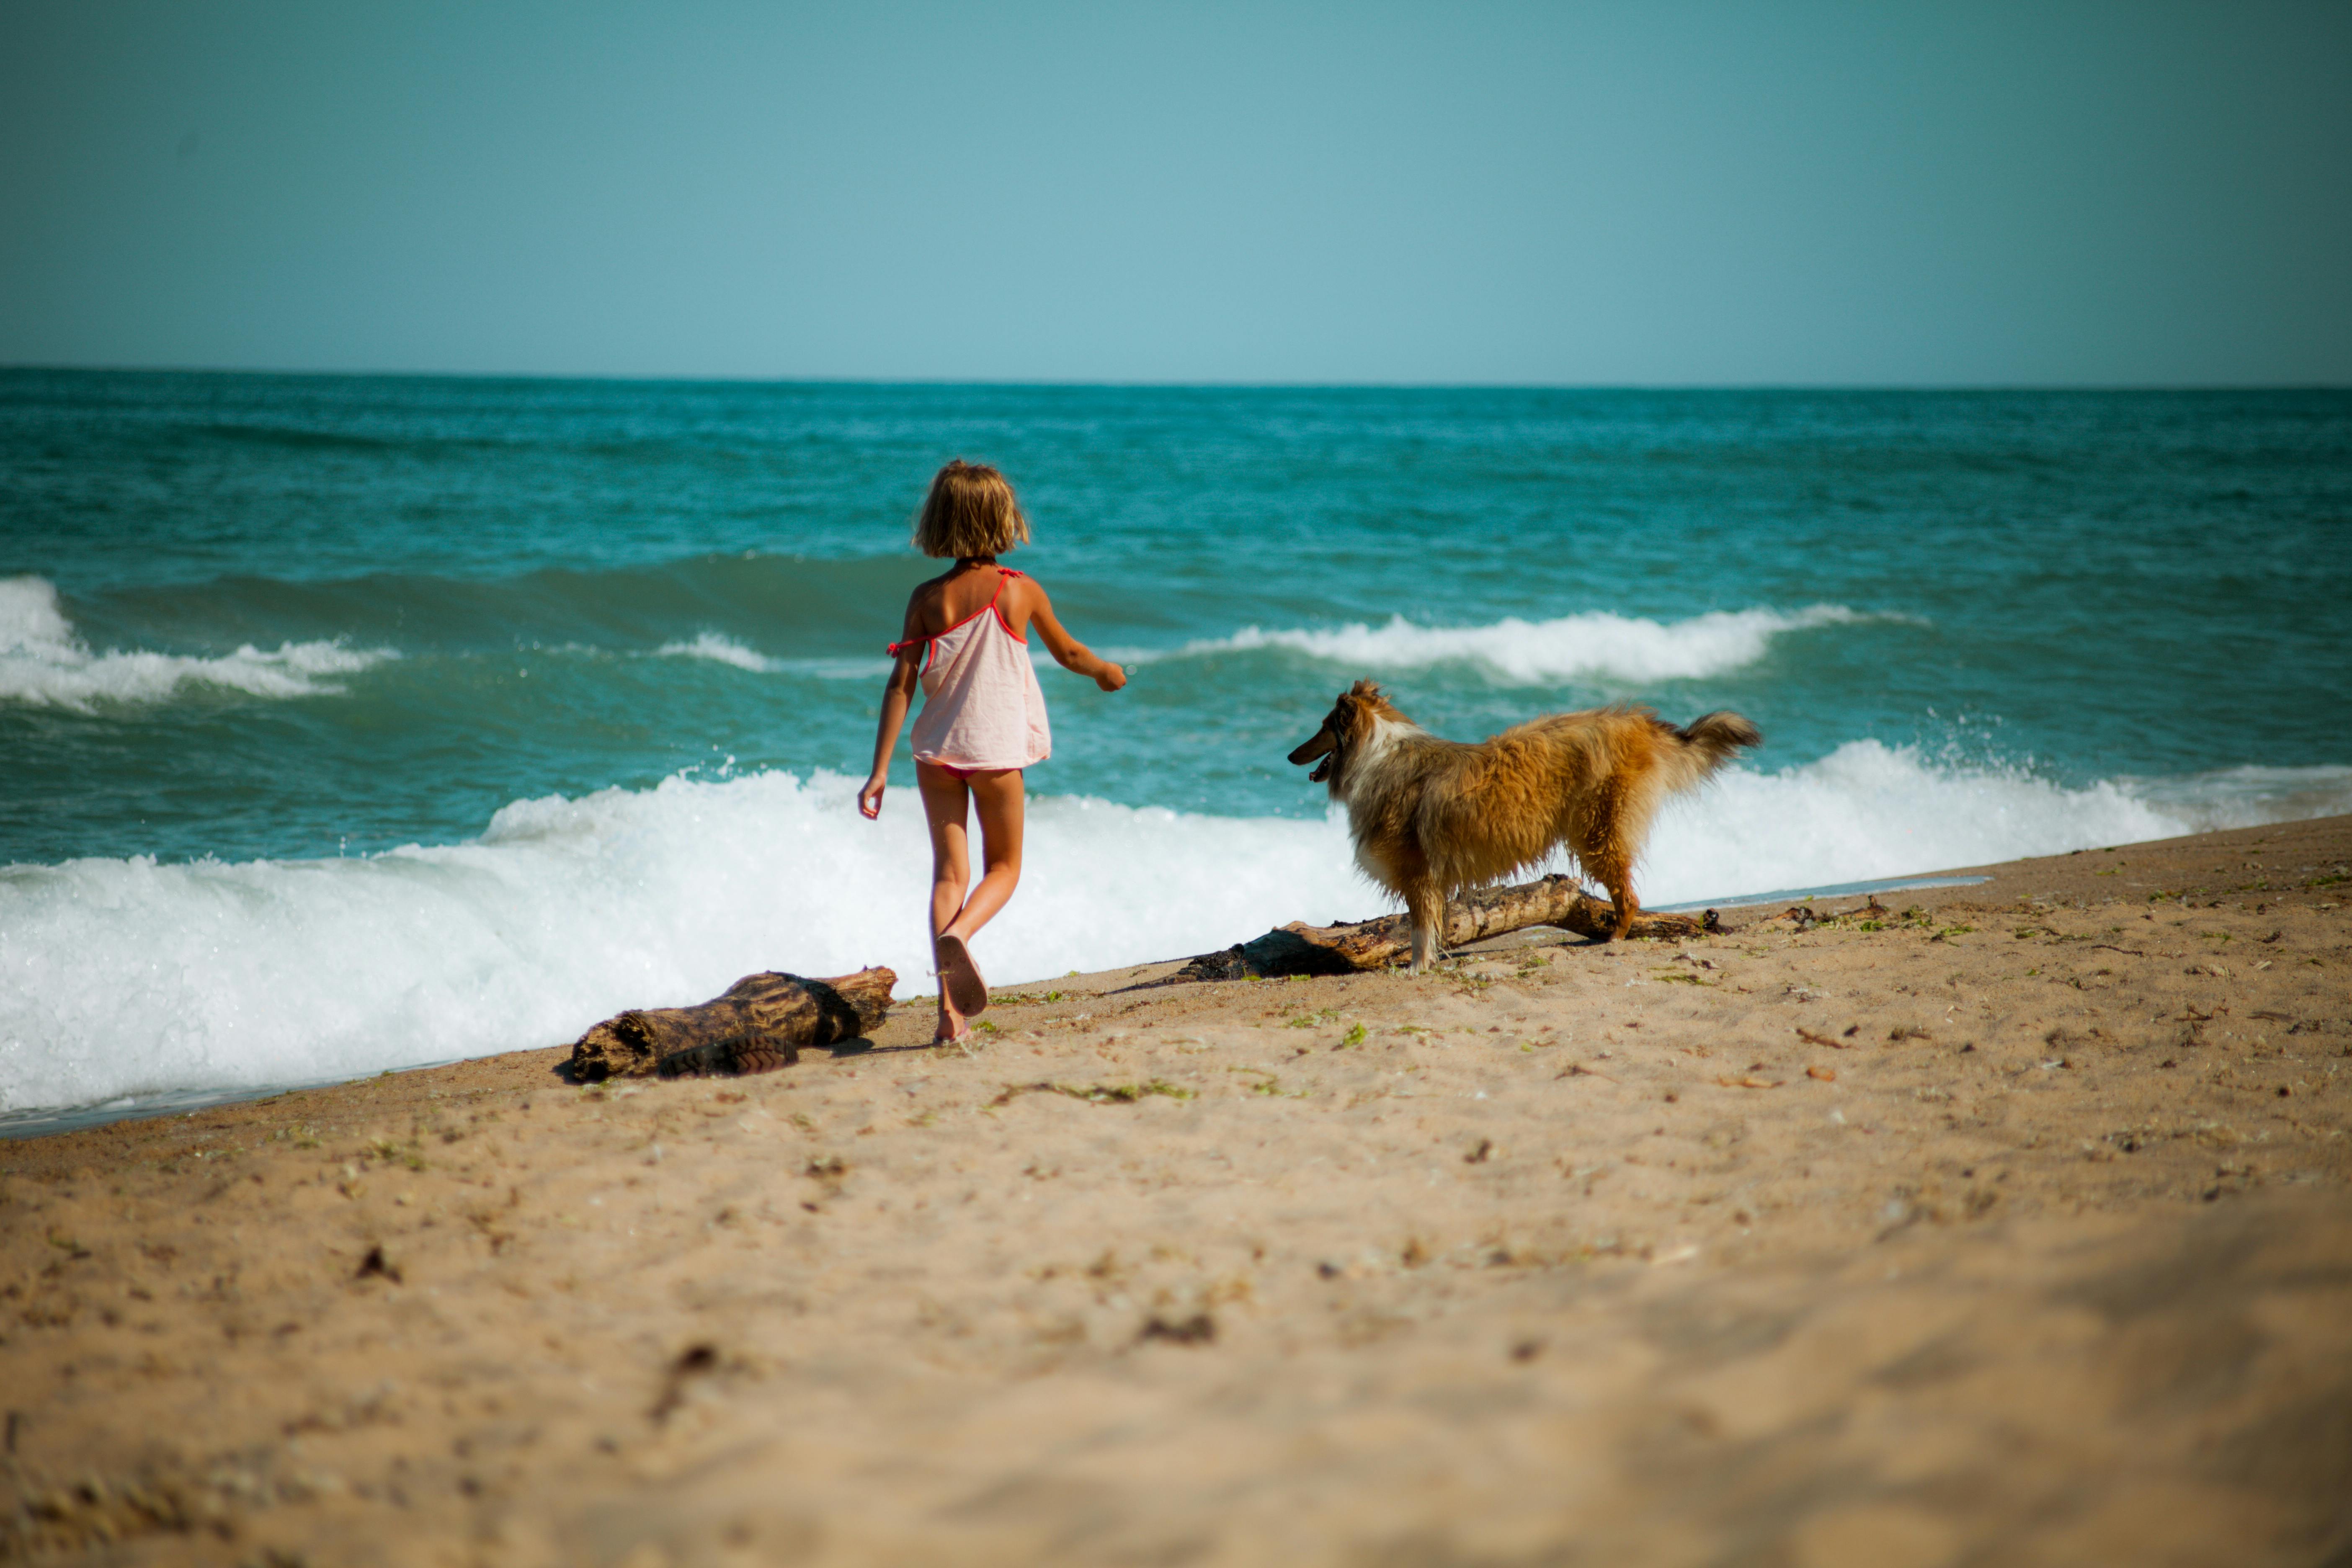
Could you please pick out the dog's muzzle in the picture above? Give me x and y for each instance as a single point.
(1320, 745)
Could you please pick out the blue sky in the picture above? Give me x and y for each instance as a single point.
(2125, 194)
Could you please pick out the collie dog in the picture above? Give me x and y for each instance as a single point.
(1433, 818)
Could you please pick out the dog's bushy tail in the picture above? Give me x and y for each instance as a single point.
(1717, 737)
(1700, 747)
(1694, 751)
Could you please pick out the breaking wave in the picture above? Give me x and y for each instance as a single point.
(129, 977)
(1594, 645)
(720, 649)
(43, 664)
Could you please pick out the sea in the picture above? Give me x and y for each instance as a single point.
(349, 723)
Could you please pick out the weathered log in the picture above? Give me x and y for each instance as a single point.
(759, 1024)
(1357, 945)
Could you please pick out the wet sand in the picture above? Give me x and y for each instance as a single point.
(2009, 1224)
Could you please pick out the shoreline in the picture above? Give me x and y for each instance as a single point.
(2011, 1222)
(46, 1121)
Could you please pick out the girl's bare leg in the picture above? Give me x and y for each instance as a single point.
(1002, 815)
(947, 800)
(946, 804)
(954, 908)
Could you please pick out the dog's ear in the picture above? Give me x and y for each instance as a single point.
(1365, 700)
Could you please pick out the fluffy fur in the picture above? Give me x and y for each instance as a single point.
(1435, 818)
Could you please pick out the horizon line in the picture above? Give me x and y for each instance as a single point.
(1050, 384)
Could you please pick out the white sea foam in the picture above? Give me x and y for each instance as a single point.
(723, 649)
(1868, 810)
(2248, 796)
(720, 649)
(1595, 645)
(127, 977)
(43, 664)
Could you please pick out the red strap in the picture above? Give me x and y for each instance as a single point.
(1003, 573)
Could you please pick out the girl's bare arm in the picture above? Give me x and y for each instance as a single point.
(897, 693)
(1068, 651)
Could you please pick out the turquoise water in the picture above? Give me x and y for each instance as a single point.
(366, 721)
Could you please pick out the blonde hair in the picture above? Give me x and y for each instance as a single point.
(970, 512)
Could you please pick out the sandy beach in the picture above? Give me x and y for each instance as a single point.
(2008, 1223)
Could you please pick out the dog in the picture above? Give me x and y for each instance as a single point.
(1432, 818)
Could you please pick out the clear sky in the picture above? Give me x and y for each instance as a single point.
(2047, 192)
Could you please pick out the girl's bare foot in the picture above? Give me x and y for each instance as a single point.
(960, 986)
(952, 1029)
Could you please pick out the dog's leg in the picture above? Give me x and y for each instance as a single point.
(1627, 907)
(1617, 877)
(1426, 906)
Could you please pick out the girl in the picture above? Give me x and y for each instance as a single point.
(983, 716)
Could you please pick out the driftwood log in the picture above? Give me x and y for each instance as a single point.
(1556, 901)
(759, 1024)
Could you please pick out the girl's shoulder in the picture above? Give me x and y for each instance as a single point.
(926, 606)
(1020, 600)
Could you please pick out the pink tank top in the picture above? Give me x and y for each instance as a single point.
(982, 707)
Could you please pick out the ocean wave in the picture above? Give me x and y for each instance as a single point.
(1594, 645)
(128, 977)
(1869, 810)
(44, 665)
(2246, 796)
(720, 649)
